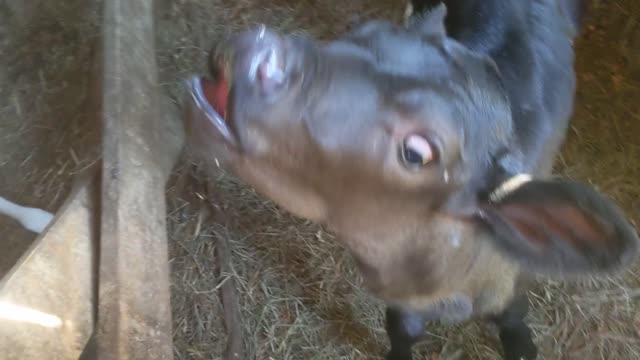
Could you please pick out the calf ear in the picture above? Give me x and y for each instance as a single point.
(558, 226)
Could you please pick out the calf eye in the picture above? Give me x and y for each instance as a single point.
(416, 151)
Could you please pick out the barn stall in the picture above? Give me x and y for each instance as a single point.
(90, 128)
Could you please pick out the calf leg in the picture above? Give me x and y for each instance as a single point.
(404, 328)
(515, 335)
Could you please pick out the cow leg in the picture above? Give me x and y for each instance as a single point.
(404, 328)
(515, 335)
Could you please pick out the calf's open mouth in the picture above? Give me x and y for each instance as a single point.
(255, 59)
(211, 97)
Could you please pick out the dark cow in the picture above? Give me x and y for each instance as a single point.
(427, 150)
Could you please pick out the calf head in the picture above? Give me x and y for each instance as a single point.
(385, 129)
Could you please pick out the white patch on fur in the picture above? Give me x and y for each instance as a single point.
(454, 238)
(453, 309)
(32, 219)
(512, 184)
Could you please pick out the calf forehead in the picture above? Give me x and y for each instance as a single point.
(409, 56)
(396, 51)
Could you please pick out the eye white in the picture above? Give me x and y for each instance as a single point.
(420, 146)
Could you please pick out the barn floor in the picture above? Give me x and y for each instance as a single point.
(299, 294)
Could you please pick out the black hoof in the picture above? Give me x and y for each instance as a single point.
(517, 344)
(399, 355)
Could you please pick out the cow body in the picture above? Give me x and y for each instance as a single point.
(426, 150)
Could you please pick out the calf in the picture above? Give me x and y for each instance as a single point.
(428, 162)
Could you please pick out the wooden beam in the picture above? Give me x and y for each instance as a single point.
(47, 299)
(134, 314)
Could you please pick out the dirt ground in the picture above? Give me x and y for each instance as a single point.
(300, 296)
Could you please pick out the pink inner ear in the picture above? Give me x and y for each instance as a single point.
(526, 221)
(564, 222)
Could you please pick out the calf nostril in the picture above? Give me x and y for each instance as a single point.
(259, 58)
(270, 72)
(266, 70)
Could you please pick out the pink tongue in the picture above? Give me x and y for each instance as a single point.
(216, 93)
